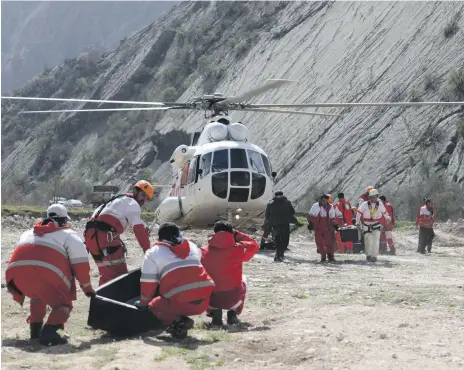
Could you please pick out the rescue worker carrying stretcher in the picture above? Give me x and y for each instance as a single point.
(109, 221)
(324, 218)
(369, 219)
(42, 267)
(222, 258)
(386, 236)
(174, 266)
(344, 207)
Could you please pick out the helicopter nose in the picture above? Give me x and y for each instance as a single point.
(238, 186)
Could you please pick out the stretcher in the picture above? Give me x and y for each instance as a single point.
(112, 308)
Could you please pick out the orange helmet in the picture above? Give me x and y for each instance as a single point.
(369, 188)
(146, 187)
(330, 198)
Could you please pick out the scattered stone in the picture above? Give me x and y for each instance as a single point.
(340, 337)
(238, 359)
(383, 336)
(403, 325)
(323, 326)
(395, 356)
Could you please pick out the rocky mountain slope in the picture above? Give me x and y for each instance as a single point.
(40, 34)
(352, 52)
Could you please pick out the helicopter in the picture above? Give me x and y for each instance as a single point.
(221, 174)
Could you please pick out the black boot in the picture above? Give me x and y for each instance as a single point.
(368, 258)
(49, 336)
(35, 327)
(331, 257)
(232, 318)
(217, 317)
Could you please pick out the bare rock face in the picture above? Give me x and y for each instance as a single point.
(338, 52)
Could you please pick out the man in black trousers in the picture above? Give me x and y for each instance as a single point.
(279, 214)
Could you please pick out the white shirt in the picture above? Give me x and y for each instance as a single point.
(371, 213)
(318, 211)
(126, 210)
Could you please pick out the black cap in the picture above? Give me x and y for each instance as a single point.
(341, 195)
(279, 192)
(383, 198)
(168, 231)
(325, 196)
(223, 226)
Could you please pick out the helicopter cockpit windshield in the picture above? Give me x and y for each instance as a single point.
(231, 169)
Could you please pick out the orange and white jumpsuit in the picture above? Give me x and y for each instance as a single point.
(184, 285)
(386, 236)
(344, 207)
(43, 266)
(103, 237)
(323, 218)
(370, 217)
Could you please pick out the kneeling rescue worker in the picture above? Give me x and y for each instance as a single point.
(42, 267)
(369, 219)
(109, 221)
(174, 266)
(222, 258)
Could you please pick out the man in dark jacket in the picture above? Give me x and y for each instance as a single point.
(279, 214)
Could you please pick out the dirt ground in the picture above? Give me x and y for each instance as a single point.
(405, 312)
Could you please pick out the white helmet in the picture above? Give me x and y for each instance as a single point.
(373, 193)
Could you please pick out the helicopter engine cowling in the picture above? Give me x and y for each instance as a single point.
(238, 132)
(169, 209)
(181, 156)
(216, 131)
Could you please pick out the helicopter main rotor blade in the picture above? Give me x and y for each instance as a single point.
(98, 110)
(290, 112)
(271, 84)
(84, 100)
(333, 105)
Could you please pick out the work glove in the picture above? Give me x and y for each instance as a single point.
(140, 306)
(90, 294)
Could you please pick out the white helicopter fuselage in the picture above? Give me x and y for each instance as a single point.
(218, 179)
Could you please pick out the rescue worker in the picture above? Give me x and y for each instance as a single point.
(109, 221)
(280, 214)
(425, 221)
(42, 267)
(386, 235)
(324, 220)
(222, 258)
(344, 207)
(369, 219)
(364, 197)
(174, 266)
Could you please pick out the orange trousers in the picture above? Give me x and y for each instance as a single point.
(43, 293)
(342, 246)
(168, 310)
(113, 264)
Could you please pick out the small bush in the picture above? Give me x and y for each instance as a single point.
(430, 83)
(414, 95)
(460, 128)
(456, 80)
(451, 29)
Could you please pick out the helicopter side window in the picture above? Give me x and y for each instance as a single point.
(238, 158)
(205, 163)
(220, 160)
(192, 171)
(256, 164)
(267, 165)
